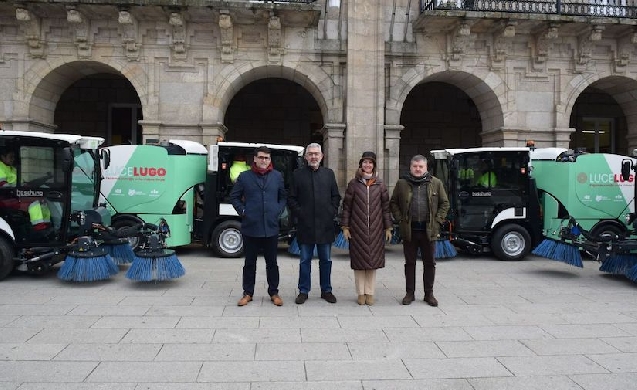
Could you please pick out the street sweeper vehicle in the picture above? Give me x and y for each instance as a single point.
(49, 186)
(612, 240)
(188, 187)
(494, 200)
(508, 200)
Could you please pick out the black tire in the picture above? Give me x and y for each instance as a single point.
(6, 258)
(128, 223)
(511, 242)
(226, 239)
(607, 228)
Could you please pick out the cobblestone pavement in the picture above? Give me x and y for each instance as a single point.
(535, 324)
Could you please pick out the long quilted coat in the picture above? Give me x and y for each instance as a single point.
(366, 214)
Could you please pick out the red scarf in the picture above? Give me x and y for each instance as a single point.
(260, 171)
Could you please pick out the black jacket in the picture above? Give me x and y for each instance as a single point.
(314, 201)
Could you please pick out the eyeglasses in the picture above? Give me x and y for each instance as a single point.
(263, 157)
(313, 153)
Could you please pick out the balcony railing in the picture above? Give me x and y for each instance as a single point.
(597, 8)
(284, 1)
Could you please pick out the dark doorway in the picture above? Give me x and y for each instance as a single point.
(437, 115)
(104, 105)
(276, 111)
(599, 122)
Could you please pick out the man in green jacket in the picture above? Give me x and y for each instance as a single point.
(419, 204)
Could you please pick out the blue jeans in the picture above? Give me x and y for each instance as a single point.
(305, 268)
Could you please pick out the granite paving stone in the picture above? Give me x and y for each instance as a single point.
(207, 352)
(529, 325)
(551, 365)
(356, 370)
(252, 371)
(302, 351)
(158, 372)
(456, 368)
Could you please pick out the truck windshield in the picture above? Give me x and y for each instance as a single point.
(85, 180)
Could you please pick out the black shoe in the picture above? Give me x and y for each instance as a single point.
(431, 300)
(328, 296)
(408, 299)
(300, 299)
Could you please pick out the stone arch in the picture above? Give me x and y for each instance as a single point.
(46, 81)
(234, 77)
(487, 92)
(622, 89)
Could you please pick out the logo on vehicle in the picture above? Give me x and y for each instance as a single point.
(29, 193)
(581, 177)
(131, 192)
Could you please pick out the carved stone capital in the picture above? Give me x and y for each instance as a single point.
(586, 43)
(179, 45)
(129, 32)
(543, 43)
(502, 40)
(81, 27)
(227, 36)
(275, 49)
(460, 40)
(32, 31)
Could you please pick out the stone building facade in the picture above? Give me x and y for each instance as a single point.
(398, 77)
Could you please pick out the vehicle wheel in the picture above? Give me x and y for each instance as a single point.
(607, 228)
(6, 258)
(227, 240)
(121, 223)
(511, 242)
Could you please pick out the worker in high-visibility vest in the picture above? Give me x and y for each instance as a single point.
(466, 175)
(488, 178)
(8, 175)
(40, 215)
(238, 165)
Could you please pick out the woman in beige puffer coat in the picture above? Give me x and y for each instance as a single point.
(366, 223)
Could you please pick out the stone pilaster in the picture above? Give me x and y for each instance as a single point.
(333, 136)
(211, 133)
(150, 131)
(364, 113)
(392, 155)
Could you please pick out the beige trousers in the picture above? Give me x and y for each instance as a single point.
(365, 281)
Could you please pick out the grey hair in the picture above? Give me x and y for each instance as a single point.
(314, 145)
(419, 157)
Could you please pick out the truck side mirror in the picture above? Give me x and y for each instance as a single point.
(627, 165)
(105, 155)
(67, 160)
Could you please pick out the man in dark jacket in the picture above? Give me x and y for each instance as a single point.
(419, 203)
(259, 197)
(314, 200)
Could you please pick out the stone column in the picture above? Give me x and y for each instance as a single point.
(151, 131)
(390, 169)
(562, 136)
(364, 113)
(211, 133)
(333, 136)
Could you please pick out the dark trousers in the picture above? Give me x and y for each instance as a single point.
(419, 240)
(251, 247)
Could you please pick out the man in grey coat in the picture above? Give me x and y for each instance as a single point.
(314, 201)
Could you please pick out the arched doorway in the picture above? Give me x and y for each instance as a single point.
(104, 105)
(437, 115)
(274, 110)
(599, 120)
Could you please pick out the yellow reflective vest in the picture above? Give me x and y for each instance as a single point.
(39, 213)
(8, 175)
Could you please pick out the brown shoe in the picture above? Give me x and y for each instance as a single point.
(369, 300)
(408, 299)
(244, 301)
(276, 300)
(361, 299)
(431, 300)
